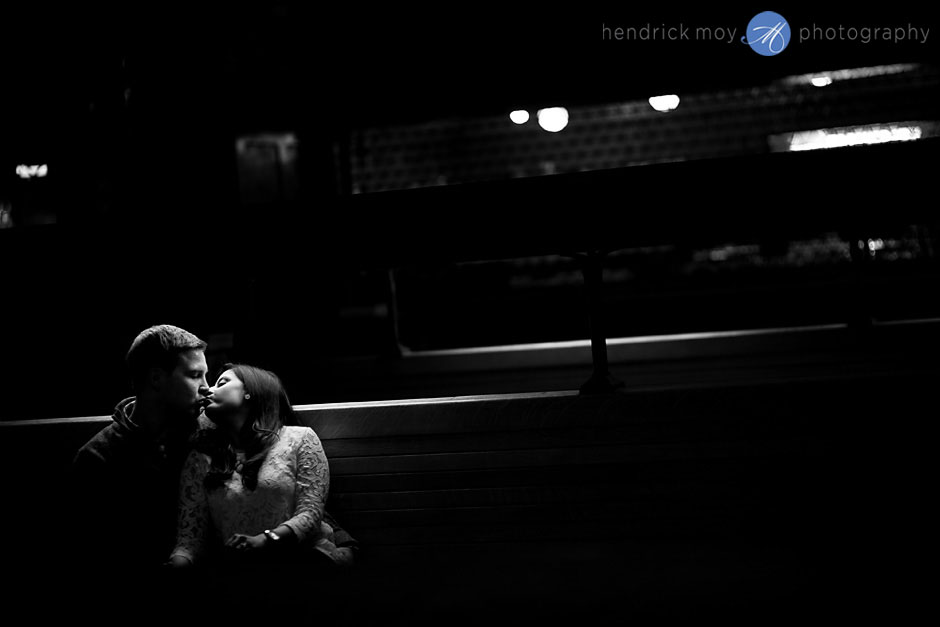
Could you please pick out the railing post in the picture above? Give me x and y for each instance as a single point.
(393, 346)
(601, 381)
(860, 314)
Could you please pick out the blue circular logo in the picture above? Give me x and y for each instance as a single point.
(767, 34)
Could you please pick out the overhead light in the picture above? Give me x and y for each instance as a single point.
(664, 103)
(520, 116)
(32, 171)
(853, 136)
(553, 119)
(849, 74)
(908, 130)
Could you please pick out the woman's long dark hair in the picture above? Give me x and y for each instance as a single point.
(269, 409)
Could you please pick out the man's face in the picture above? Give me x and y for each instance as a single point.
(183, 391)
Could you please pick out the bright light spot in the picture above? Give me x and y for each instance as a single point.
(553, 119)
(875, 244)
(718, 255)
(850, 74)
(32, 171)
(821, 81)
(520, 116)
(853, 136)
(664, 103)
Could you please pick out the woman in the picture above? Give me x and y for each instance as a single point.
(254, 487)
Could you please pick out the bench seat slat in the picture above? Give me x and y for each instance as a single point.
(664, 431)
(531, 495)
(612, 510)
(717, 528)
(650, 475)
(567, 495)
(568, 456)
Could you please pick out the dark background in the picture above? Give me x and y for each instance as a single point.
(136, 111)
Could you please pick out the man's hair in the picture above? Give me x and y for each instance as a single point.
(159, 347)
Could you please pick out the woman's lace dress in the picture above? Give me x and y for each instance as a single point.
(293, 483)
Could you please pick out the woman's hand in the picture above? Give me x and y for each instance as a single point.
(246, 544)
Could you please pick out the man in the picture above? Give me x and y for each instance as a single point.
(126, 478)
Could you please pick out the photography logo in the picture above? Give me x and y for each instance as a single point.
(767, 34)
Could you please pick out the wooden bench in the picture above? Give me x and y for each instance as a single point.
(565, 505)
(557, 506)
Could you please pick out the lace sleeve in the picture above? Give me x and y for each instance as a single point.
(193, 522)
(312, 486)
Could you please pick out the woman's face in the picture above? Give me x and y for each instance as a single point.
(226, 397)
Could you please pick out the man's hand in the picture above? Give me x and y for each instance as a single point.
(178, 561)
(246, 544)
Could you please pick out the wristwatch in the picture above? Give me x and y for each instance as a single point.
(271, 535)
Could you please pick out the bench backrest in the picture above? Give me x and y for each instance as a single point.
(547, 467)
